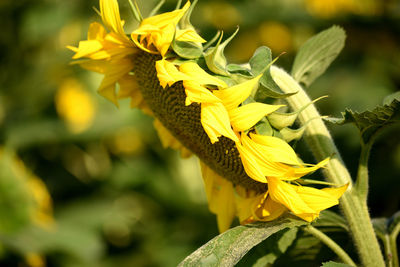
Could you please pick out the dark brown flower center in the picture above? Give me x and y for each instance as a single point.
(168, 105)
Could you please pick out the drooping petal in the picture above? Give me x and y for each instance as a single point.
(246, 116)
(215, 122)
(318, 199)
(287, 195)
(233, 96)
(254, 158)
(195, 93)
(275, 149)
(197, 74)
(168, 74)
(221, 197)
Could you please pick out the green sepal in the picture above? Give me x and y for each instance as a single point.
(281, 120)
(185, 23)
(292, 134)
(268, 88)
(370, 123)
(263, 127)
(260, 60)
(213, 40)
(215, 58)
(238, 69)
(315, 55)
(188, 50)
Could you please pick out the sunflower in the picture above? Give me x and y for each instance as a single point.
(202, 108)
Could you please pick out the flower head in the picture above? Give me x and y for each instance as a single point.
(248, 173)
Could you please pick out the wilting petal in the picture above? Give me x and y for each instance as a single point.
(168, 74)
(215, 122)
(198, 94)
(109, 11)
(233, 96)
(221, 197)
(197, 74)
(301, 171)
(258, 160)
(275, 149)
(251, 164)
(287, 195)
(246, 116)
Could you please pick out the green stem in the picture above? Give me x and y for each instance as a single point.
(321, 143)
(361, 186)
(330, 243)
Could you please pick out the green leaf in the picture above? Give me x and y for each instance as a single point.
(229, 247)
(215, 58)
(369, 123)
(334, 264)
(277, 245)
(315, 56)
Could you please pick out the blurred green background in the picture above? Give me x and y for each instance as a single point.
(83, 183)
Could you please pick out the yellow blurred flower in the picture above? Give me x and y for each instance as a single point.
(75, 106)
(276, 36)
(332, 8)
(221, 14)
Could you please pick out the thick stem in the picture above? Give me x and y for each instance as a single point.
(361, 186)
(331, 244)
(321, 143)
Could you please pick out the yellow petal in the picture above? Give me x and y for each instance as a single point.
(163, 40)
(198, 94)
(215, 122)
(235, 95)
(168, 74)
(287, 195)
(255, 158)
(86, 48)
(109, 11)
(197, 74)
(268, 210)
(246, 116)
(221, 197)
(189, 35)
(275, 149)
(251, 164)
(96, 31)
(165, 19)
(301, 171)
